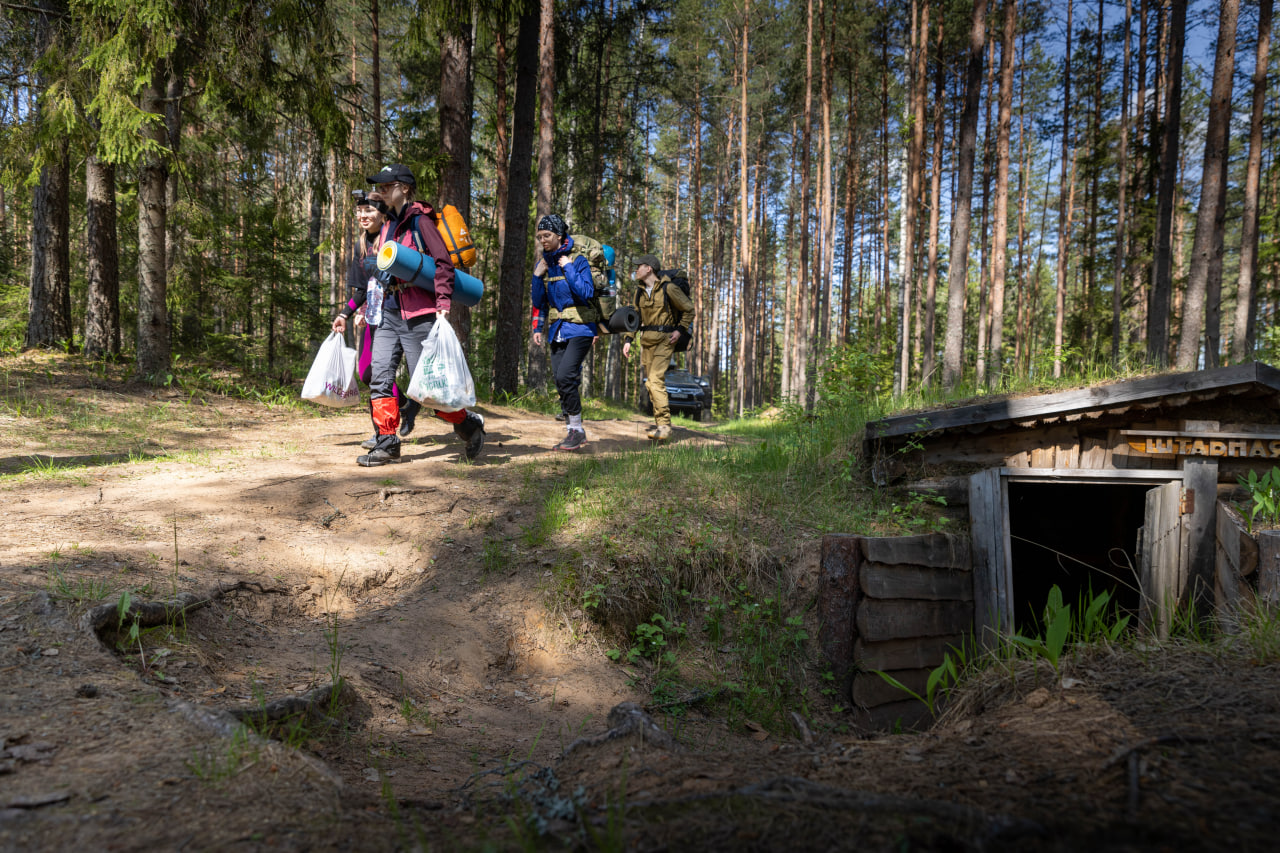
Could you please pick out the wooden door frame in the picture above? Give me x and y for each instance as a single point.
(993, 604)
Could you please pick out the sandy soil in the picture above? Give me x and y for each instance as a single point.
(466, 687)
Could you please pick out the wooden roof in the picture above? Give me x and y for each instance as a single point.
(1173, 389)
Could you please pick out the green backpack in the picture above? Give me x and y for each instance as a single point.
(605, 300)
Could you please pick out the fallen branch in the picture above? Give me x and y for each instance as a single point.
(383, 494)
(148, 614)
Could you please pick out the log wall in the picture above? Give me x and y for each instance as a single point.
(1246, 565)
(894, 604)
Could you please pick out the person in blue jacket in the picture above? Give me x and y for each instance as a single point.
(562, 290)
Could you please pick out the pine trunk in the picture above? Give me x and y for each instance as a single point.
(457, 96)
(1210, 218)
(1162, 262)
(1064, 207)
(958, 273)
(506, 355)
(1000, 242)
(1243, 334)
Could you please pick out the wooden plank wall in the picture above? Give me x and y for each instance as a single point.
(1246, 565)
(907, 599)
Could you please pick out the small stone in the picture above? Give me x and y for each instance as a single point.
(1038, 698)
(87, 691)
(50, 653)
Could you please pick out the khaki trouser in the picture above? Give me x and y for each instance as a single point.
(654, 360)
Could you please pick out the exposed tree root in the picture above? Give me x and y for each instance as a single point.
(107, 618)
(628, 718)
(315, 705)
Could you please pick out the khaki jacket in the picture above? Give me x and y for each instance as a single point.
(676, 309)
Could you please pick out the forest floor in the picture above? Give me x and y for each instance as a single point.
(476, 712)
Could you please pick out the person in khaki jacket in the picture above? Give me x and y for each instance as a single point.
(666, 313)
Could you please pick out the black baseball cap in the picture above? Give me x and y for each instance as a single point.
(396, 172)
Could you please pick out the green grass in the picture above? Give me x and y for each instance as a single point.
(698, 536)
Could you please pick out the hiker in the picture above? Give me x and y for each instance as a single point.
(665, 313)
(370, 217)
(562, 287)
(408, 313)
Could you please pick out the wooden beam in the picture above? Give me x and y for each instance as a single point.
(1229, 380)
(897, 620)
(912, 653)
(940, 550)
(916, 582)
(870, 690)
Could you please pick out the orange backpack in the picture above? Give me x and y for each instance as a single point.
(457, 238)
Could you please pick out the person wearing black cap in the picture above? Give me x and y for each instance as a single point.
(562, 287)
(665, 311)
(408, 313)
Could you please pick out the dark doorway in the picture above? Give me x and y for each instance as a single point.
(1078, 536)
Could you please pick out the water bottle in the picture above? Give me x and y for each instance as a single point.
(373, 303)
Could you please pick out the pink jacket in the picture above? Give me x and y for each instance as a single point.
(416, 301)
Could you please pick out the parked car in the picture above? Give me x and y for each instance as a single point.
(686, 394)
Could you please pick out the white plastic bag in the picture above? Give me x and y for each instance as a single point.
(332, 378)
(441, 380)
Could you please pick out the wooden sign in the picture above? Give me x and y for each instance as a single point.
(1238, 445)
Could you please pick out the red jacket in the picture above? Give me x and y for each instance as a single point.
(416, 301)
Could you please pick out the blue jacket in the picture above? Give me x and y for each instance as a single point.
(562, 287)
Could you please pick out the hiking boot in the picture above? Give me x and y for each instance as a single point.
(408, 417)
(575, 440)
(370, 443)
(651, 431)
(375, 458)
(471, 431)
(562, 417)
(663, 432)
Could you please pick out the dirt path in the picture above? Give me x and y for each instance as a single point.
(411, 580)
(416, 584)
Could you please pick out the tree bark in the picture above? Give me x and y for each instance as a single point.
(102, 313)
(1122, 162)
(153, 357)
(1162, 263)
(1210, 218)
(928, 345)
(910, 201)
(546, 101)
(49, 305)
(457, 101)
(958, 274)
(506, 357)
(1000, 241)
(376, 70)
(1064, 207)
(1244, 330)
(746, 352)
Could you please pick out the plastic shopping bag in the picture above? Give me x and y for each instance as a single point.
(332, 378)
(441, 379)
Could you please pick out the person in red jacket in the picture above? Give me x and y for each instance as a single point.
(408, 313)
